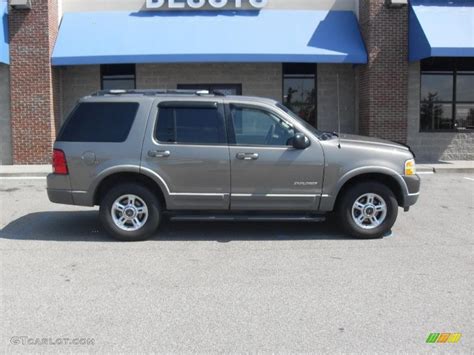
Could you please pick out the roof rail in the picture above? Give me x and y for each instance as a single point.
(154, 92)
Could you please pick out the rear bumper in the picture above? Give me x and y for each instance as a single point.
(59, 191)
(60, 196)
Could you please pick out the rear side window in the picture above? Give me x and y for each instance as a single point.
(190, 125)
(99, 122)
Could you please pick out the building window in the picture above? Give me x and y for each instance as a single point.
(117, 76)
(226, 89)
(299, 90)
(447, 94)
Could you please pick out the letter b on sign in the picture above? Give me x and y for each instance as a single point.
(154, 4)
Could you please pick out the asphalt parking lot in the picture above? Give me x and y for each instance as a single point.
(247, 287)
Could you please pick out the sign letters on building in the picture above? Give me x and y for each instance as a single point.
(197, 4)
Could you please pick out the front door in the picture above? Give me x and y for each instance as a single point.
(267, 172)
(188, 150)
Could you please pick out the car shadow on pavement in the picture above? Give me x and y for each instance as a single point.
(84, 226)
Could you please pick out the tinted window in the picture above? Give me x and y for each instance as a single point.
(99, 122)
(190, 125)
(258, 127)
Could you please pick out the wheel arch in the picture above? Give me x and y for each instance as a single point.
(387, 177)
(115, 178)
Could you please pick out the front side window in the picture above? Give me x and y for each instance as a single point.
(257, 127)
(118, 76)
(190, 125)
(99, 122)
(447, 94)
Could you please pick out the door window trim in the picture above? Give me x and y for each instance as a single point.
(230, 126)
(189, 104)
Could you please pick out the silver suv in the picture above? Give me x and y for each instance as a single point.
(200, 156)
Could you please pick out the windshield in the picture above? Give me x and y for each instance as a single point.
(299, 119)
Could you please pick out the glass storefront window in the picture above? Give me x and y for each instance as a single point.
(465, 86)
(465, 116)
(118, 76)
(447, 94)
(436, 116)
(299, 90)
(437, 87)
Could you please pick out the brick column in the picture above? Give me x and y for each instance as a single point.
(383, 84)
(32, 36)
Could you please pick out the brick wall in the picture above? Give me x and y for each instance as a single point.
(76, 82)
(5, 130)
(383, 82)
(262, 79)
(256, 79)
(32, 36)
(327, 97)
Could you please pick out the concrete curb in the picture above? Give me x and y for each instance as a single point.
(24, 175)
(447, 167)
(10, 171)
(454, 170)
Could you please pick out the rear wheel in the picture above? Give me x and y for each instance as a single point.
(368, 210)
(130, 212)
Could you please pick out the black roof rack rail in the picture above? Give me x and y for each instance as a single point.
(218, 93)
(153, 92)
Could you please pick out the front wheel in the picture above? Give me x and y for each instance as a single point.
(368, 210)
(130, 212)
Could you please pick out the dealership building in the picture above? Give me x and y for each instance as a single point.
(399, 70)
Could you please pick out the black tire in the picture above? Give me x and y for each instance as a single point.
(152, 203)
(344, 210)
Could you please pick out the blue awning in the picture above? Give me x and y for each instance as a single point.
(209, 36)
(441, 29)
(4, 47)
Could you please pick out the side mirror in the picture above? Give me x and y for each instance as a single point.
(300, 141)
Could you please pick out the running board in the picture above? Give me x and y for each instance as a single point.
(247, 218)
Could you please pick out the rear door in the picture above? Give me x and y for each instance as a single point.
(267, 172)
(186, 145)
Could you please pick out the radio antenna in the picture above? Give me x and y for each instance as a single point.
(338, 115)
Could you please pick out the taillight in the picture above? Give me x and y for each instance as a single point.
(59, 162)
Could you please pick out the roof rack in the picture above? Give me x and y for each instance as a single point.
(154, 92)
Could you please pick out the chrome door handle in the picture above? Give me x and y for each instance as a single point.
(247, 156)
(159, 153)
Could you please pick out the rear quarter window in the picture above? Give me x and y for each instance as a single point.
(99, 122)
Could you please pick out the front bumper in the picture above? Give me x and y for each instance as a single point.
(413, 184)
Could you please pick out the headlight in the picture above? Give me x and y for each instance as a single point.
(410, 167)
